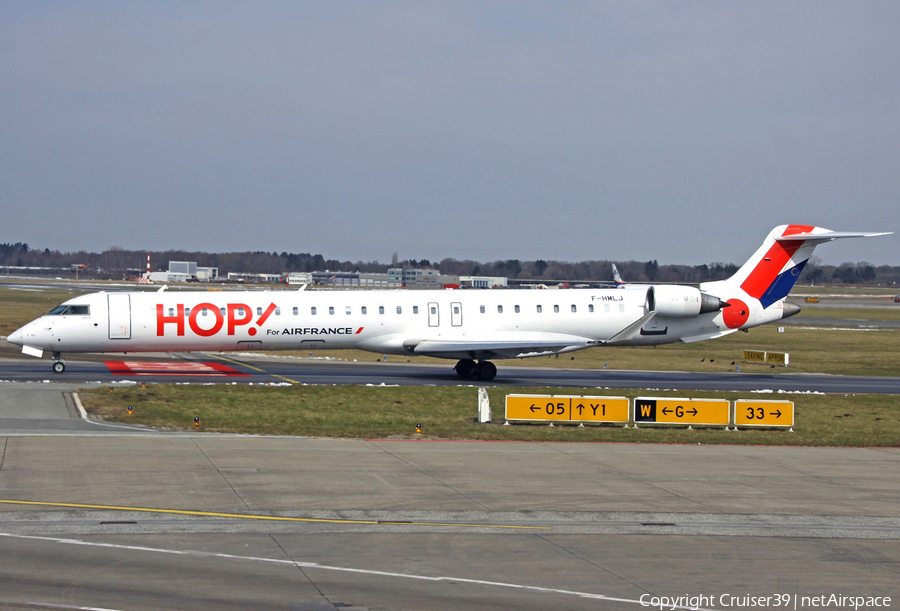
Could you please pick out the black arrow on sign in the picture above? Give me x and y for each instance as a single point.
(666, 411)
(693, 412)
(535, 408)
(776, 413)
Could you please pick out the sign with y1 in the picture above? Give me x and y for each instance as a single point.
(565, 408)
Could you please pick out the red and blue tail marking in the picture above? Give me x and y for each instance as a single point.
(774, 276)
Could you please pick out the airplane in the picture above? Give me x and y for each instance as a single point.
(470, 326)
(617, 277)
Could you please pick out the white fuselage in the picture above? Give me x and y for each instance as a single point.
(501, 324)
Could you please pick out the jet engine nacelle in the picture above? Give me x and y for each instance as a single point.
(681, 301)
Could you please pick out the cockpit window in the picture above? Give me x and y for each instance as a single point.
(70, 310)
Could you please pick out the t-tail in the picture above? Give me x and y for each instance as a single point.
(756, 293)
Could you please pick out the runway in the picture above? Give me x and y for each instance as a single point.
(95, 517)
(228, 368)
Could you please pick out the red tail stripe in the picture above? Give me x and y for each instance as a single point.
(765, 272)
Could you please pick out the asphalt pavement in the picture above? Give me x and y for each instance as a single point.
(243, 370)
(141, 519)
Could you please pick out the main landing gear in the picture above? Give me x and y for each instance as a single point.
(58, 365)
(482, 370)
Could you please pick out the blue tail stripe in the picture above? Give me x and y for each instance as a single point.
(782, 285)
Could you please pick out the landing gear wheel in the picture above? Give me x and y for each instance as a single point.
(485, 371)
(59, 367)
(466, 369)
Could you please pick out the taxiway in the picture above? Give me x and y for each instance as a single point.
(242, 369)
(94, 517)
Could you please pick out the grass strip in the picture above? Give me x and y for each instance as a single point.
(448, 412)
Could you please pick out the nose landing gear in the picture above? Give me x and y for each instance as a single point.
(483, 370)
(58, 365)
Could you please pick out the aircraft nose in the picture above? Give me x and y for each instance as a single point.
(16, 337)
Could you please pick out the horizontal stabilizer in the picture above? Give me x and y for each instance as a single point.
(827, 236)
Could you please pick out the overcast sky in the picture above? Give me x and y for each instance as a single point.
(677, 131)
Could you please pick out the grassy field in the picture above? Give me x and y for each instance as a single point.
(448, 413)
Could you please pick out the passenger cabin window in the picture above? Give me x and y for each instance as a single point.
(331, 310)
(312, 310)
(590, 307)
(517, 309)
(187, 311)
(416, 309)
(172, 311)
(540, 309)
(574, 308)
(556, 309)
(258, 311)
(204, 311)
(364, 310)
(621, 307)
(381, 309)
(481, 309)
(222, 311)
(348, 310)
(277, 312)
(606, 308)
(296, 311)
(399, 310)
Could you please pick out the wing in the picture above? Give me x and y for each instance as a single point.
(504, 346)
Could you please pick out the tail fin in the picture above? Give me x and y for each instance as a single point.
(617, 277)
(770, 274)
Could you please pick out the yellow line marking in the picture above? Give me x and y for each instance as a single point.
(274, 375)
(245, 516)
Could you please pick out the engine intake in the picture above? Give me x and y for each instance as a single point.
(681, 301)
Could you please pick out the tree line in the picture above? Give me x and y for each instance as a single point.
(113, 263)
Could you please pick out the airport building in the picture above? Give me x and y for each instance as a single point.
(244, 277)
(185, 271)
(394, 278)
(483, 282)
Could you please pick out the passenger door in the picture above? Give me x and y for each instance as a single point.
(119, 305)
